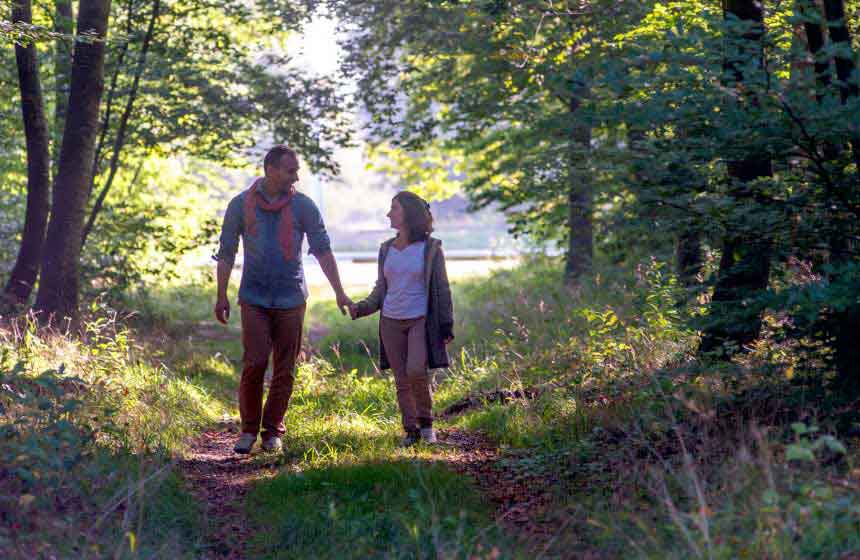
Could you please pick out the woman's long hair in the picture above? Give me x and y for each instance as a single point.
(416, 214)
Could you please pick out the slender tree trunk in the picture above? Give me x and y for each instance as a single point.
(815, 42)
(688, 256)
(119, 140)
(26, 268)
(745, 264)
(58, 290)
(580, 251)
(64, 23)
(112, 91)
(837, 27)
(844, 323)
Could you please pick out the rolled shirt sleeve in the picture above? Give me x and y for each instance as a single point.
(312, 222)
(230, 230)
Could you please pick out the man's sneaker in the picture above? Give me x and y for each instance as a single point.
(428, 435)
(410, 439)
(272, 444)
(245, 443)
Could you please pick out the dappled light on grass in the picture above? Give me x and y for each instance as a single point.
(89, 427)
(394, 509)
(587, 422)
(635, 433)
(340, 417)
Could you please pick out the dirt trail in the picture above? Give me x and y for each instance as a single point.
(220, 479)
(520, 501)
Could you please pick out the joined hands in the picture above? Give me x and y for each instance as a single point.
(344, 304)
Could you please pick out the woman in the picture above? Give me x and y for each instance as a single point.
(417, 319)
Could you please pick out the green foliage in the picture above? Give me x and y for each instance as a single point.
(768, 510)
(87, 431)
(634, 434)
(643, 443)
(211, 103)
(490, 87)
(434, 174)
(213, 80)
(22, 33)
(673, 96)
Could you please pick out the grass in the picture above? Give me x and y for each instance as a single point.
(647, 451)
(390, 509)
(626, 420)
(90, 427)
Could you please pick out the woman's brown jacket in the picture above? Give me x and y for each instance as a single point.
(440, 309)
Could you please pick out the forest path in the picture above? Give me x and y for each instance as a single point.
(519, 499)
(220, 480)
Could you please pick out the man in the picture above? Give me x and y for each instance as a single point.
(272, 219)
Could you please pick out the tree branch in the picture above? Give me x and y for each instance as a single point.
(119, 141)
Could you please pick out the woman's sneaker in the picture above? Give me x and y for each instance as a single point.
(245, 443)
(428, 435)
(410, 439)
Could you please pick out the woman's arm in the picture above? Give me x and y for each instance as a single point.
(372, 303)
(443, 291)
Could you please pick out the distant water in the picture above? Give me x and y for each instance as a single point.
(359, 269)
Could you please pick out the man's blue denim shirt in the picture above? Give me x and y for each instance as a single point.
(268, 279)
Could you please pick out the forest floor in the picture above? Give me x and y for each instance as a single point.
(571, 425)
(534, 460)
(220, 480)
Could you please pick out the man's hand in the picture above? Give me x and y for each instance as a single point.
(222, 310)
(343, 302)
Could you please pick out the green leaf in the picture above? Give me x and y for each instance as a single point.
(834, 445)
(799, 452)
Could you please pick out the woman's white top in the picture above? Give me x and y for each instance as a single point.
(405, 297)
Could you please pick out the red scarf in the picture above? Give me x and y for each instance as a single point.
(282, 204)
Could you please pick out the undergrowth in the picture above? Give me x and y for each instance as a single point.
(644, 449)
(652, 451)
(91, 427)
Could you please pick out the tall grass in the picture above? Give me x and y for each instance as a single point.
(645, 450)
(656, 453)
(90, 426)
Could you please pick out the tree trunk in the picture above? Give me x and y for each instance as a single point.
(837, 26)
(580, 249)
(834, 11)
(815, 43)
(26, 268)
(64, 24)
(58, 290)
(688, 256)
(119, 141)
(845, 323)
(112, 92)
(745, 264)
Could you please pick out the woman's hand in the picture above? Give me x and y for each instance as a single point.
(447, 340)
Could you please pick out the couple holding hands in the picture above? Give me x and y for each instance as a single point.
(411, 291)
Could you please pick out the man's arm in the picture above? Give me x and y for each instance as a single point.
(222, 304)
(328, 264)
(319, 245)
(229, 244)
